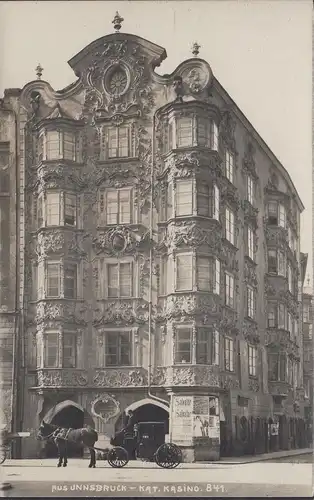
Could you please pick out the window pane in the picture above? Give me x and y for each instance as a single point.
(112, 349)
(51, 347)
(53, 280)
(184, 198)
(184, 272)
(183, 345)
(228, 354)
(204, 274)
(125, 280)
(229, 226)
(229, 166)
(125, 349)
(272, 261)
(203, 132)
(273, 213)
(229, 290)
(53, 145)
(70, 210)
(185, 126)
(123, 134)
(69, 146)
(112, 142)
(214, 136)
(69, 351)
(112, 207)
(204, 200)
(53, 209)
(70, 281)
(124, 206)
(113, 282)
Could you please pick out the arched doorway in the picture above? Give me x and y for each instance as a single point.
(70, 415)
(147, 410)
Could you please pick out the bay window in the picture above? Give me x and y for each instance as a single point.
(184, 272)
(60, 280)
(60, 349)
(229, 226)
(192, 131)
(55, 208)
(184, 197)
(58, 144)
(203, 132)
(205, 349)
(276, 214)
(277, 367)
(228, 354)
(229, 166)
(251, 302)
(252, 360)
(120, 279)
(118, 348)
(229, 290)
(208, 200)
(276, 262)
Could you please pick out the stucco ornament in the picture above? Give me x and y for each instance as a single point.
(105, 407)
(120, 240)
(186, 376)
(62, 378)
(197, 76)
(184, 165)
(122, 312)
(188, 305)
(189, 233)
(49, 242)
(120, 378)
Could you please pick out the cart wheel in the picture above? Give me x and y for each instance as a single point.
(168, 456)
(118, 457)
(3, 456)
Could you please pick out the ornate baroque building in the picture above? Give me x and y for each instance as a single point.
(157, 255)
(308, 359)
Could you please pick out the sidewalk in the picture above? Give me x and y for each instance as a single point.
(247, 459)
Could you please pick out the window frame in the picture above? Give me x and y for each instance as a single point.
(250, 189)
(251, 302)
(104, 205)
(118, 334)
(191, 277)
(229, 165)
(61, 150)
(229, 287)
(230, 225)
(119, 263)
(252, 360)
(60, 336)
(186, 341)
(228, 354)
(250, 243)
(189, 183)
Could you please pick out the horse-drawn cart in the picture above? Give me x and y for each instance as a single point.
(147, 443)
(6, 438)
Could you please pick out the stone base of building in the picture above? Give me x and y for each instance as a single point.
(205, 450)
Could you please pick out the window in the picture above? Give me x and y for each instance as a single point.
(163, 275)
(183, 345)
(277, 367)
(118, 206)
(69, 146)
(69, 350)
(250, 242)
(250, 302)
(204, 200)
(184, 275)
(306, 313)
(291, 239)
(40, 217)
(276, 262)
(184, 132)
(252, 355)
(70, 206)
(53, 145)
(53, 209)
(203, 132)
(229, 292)
(51, 350)
(228, 354)
(203, 346)
(208, 274)
(70, 281)
(216, 348)
(53, 279)
(118, 348)
(229, 166)
(216, 203)
(184, 197)
(117, 142)
(230, 232)
(120, 279)
(289, 321)
(250, 189)
(276, 214)
(272, 315)
(290, 278)
(169, 208)
(215, 136)
(282, 316)
(281, 263)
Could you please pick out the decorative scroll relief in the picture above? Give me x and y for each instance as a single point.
(188, 305)
(105, 407)
(250, 275)
(120, 378)
(59, 311)
(196, 76)
(250, 331)
(229, 381)
(122, 313)
(227, 129)
(120, 240)
(62, 378)
(254, 385)
(191, 234)
(50, 242)
(198, 375)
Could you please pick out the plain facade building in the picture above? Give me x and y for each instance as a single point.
(158, 254)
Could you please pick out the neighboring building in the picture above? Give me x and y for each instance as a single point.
(158, 245)
(308, 360)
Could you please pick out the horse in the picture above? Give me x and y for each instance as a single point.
(85, 437)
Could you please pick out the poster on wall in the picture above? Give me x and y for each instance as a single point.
(200, 416)
(182, 420)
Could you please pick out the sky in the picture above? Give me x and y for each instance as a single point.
(259, 50)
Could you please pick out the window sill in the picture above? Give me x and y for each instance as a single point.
(54, 161)
(250, 260)
(251, 320)
(121, 159)
(232, 245)
(100, 299)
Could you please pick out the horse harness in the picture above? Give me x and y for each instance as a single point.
(61, 433)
